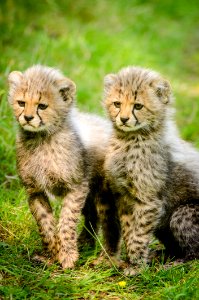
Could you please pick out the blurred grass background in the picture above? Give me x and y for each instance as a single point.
(86, 40)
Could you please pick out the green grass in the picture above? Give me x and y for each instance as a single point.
(86, 40)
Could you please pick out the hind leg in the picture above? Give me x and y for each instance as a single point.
(91, 223)
(172, 247)
(184, 225)
(110, 228)
(109, 220)
(111, 231)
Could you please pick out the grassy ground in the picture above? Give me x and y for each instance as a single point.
(86, 40)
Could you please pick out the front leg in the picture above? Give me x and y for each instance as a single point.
(42, 212)
(138, 226)
(67, 226)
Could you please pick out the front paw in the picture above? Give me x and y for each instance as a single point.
(133, 270)
(67, 259)
(42, 259)
(110, 260)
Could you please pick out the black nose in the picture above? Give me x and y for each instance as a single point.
(124, 120)
(28, 118)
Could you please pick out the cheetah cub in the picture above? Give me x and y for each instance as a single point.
(50, 155)
(154, 174)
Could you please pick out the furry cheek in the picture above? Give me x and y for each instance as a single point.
(21, 119)
(112, 111)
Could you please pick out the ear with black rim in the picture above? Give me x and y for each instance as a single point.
(67, 89)
(163, 91)
(109, 81)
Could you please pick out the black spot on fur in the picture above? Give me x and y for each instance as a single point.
(127, 148)
(137, 146)
(43, 216)
(135, 95)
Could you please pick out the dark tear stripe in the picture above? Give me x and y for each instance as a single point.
(137, 122)
(117, 114)
(20, 114)
(39, 116)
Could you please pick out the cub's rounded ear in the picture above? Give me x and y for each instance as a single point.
(14, 78)
(109, 80)
(163, 91)
(67, 88)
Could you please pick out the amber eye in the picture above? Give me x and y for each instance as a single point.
(42, 106)
(138, 106)
(117, 104)
(21, 103)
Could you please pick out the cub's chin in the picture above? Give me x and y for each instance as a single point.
(133, 128)
(28, 127)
